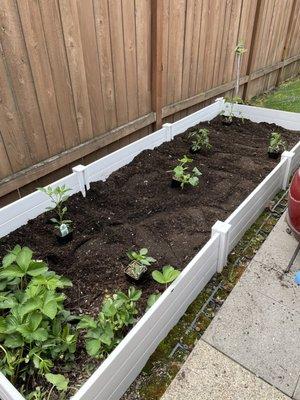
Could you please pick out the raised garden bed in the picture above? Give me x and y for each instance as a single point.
(137, 207)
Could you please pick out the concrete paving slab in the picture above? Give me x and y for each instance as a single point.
(270, 281)
(279, 247)
(296, 395)
(210, 375)
(260, 334)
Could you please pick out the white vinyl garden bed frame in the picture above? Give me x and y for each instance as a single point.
(123, 365)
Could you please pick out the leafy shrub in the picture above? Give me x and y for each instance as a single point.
(182, 174)
(105, 332)
(58, 197)
(200, 139)
(276, 143)
(35, 328)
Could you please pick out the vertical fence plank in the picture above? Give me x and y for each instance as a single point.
(156, 62)
(38, 57)
(70, 23)
(5, 168)
(18, 67)
(60, 71)
(91, 63)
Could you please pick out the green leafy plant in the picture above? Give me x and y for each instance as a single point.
(152, 299)
(58, 197)
(200, 139)
(229, 113)
(35, 329)
(182, 174)
(58, 381)
(141, 257)
(166, 276)
(105, 332)
(276, 144)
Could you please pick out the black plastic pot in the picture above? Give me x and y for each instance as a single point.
(175, 183)
(134, 277)
(64, 239)
(274, 154)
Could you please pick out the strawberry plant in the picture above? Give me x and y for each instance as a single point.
(58, 197)
(105, 332)
(276, 144)
(139, 262)
(35, 329)
(183, 175)
(200, 140)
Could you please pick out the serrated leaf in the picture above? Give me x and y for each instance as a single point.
(14, 341)
(92, 346)
(87, 322)
(58, 380)
(40, 335)
(152, 299)
(35, 320)
(12, 271)
(30, 305)
(36, 268)
(50, 308)
(23, 258)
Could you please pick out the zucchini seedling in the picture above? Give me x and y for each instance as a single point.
(139, 263)
(182, 175)
(58, 197)
(200, 140)
(166, 276)
(276, 145)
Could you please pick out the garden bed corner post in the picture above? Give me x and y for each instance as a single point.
(223, 229)
(287, 155)
(79, 171)
(169, 134)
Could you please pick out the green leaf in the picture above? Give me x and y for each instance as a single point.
(134, 294)
(23, 258)
(40, 335)
(152, 299)
(14, 341)
(194, 180)
(36, 268)
(35, 320)
(158, 277)
(12, 271)
(143, 251)
(170, 273)
(30, 305)
(92, 346)
(58, 380)
(50, 308)
(87, 322)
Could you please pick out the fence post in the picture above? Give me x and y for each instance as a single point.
(168, 127)
(287, 155)
(79, 171)
(223, 229)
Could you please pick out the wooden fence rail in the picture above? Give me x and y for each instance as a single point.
(79, 77)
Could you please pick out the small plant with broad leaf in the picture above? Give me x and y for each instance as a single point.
(167, 275)
(35, 328)
(58, 197)
(200, 140)
(105, 332)
(184, 175)
(276, 145)
(152, 299)
(139, 262)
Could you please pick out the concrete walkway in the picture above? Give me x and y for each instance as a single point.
(251, 350)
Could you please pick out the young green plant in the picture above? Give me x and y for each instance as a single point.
(183, 174)
(139, 262)
(276, 144)
(58, 197)
(167, 275)
(200, 140)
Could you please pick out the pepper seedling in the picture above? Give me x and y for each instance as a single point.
(182, 175)
(200, 140)
(276, 145)
(139, 262)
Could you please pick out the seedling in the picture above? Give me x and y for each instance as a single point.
(200, 140)
(182, 175)
(276, 145)
(152, 299)
(106, 331)
(166, 276)
(229, 113)
(139, 262)
(58, 197)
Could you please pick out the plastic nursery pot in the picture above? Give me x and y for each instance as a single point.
(274, 154)
(135, 272)
(64, 239)
(175, 183)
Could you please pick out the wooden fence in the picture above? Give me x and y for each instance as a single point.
(79, 78)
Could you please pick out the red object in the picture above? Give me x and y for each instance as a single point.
(293, 215)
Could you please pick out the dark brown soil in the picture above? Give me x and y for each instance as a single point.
(136, 207)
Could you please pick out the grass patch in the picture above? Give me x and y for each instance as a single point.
(286, 97)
